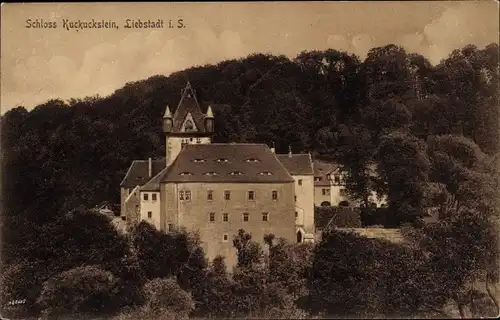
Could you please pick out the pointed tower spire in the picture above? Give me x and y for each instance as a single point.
(209, 120)
(167, 121)
(209, 114)
(167, 113)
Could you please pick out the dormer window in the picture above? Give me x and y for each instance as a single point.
(198, 160)
(252, 160)
(236, 173)
(211, 173)
(186, 174)
(265, 173)
(222, 160)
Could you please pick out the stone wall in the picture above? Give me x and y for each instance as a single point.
(392, 235)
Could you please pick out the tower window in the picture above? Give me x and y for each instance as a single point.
(225, 217)
(245, 217)
(150, 214)
(210, 195)
(181, 195)
(274, 195)
(188, 126)
(295, 197)
(300, 182)
(251, 195)
(187, 195)
(227, 195)
(265, 216)
(212, 216)
(225, 237)
(296, 214)
(170, 227)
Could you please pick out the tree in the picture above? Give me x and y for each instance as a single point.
(86, 289)
(165, 294)
(216, 299)
(160, 255)
(404, 168)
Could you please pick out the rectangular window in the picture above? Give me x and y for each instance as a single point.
(170, 227)
(225, 217)
(337, 179)
(150, 214)
(210, 195)
(245, 217)
(295, 197)
(251, 195)
(146, 197)
(225, 237)
(187, 195)
(296, 214)
(212, 216)
(181, 195)
(265, 216)
(275, 195)
(153, 197)
(227, 195)
(300, 182)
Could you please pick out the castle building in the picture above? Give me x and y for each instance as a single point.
(216, 189)
(330, 189)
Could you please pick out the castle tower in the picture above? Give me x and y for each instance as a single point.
(187, 126)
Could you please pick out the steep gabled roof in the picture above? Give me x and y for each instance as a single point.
(232, 162)
(322, 169)
(188, 104)
(154, 183)
(297, 164)
(137, 174)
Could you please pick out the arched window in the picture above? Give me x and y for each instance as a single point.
(188, 126)
(299, 236)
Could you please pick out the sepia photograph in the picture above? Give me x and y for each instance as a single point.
(250, 160)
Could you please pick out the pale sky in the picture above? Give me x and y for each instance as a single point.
(41, 64)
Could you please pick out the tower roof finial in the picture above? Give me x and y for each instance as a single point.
(167, 113)
(209, 114)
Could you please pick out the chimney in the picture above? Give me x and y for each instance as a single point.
(150, 168)
(273, 149)
(290, 151)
